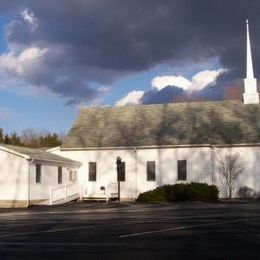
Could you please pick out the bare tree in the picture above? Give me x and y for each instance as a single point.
(233, 90)
(230, 167)
(29, 137)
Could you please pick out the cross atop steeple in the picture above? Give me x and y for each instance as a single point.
(250, 96)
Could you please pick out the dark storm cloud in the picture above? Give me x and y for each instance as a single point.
(222, 90)
(165, 95)
(7, 6)
(175, 94)
(99, 41)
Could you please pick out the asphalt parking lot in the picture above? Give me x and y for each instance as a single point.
(127, 231)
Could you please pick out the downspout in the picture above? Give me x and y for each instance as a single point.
(28, 191)
(213, 163)
(136, 183)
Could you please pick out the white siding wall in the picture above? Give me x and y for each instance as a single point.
(198, 168)
(49, 178)
(13, 177)
(106, 169)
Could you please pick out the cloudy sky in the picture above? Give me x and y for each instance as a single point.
(57, 56)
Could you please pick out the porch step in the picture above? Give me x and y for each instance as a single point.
(99, 197)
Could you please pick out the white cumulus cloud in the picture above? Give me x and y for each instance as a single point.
(198, 81)
(133, 97)
(204, 78)
(161, 82)
(22, 63)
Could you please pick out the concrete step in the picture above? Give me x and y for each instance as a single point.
(99, 197)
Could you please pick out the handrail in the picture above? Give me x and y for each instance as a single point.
(62, 187)
(71, 184)
(64, 192)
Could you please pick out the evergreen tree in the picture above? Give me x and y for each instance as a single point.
(50, 140)
(15, 139)
(1, 136)
(30, 138)
(7, 139)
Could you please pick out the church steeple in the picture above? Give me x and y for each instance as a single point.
(250, 96)
(249, 62)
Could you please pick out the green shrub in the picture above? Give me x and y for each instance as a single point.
(181, 192)
(158, 194)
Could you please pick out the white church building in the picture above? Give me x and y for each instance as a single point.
(166, 143)
(158, 144)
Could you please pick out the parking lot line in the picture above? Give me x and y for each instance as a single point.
(54, 244)
(183, 227)
(127, 204)
(66, 229)
(45, 231)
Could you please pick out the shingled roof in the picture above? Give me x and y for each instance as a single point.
(39, 154)
(227, 122)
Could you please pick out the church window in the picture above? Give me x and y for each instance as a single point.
(122, 172)
(92, 171)
(75, 176)
(59, 175)
(71, 175)
(182, 170)
(38, 173)
(150, 168)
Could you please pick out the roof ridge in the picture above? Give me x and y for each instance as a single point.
(165, 104)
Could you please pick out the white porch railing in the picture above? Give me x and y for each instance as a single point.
(63, 192)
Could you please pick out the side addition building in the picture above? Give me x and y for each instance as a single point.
(34, 176)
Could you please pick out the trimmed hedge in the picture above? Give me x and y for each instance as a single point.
(181, 192)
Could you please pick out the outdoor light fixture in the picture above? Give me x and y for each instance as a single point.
(119, 171)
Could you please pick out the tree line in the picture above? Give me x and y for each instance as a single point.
(31, 138)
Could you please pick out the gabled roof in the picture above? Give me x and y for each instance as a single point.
(226, 122)
(37, 154)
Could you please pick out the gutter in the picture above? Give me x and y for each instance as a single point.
(213, 163)
(159, 147)
(134, 147)
(56, 161)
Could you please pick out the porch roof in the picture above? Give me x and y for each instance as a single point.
(38, 154)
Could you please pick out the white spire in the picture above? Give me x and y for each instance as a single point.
(249, 63)
(250, 95)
